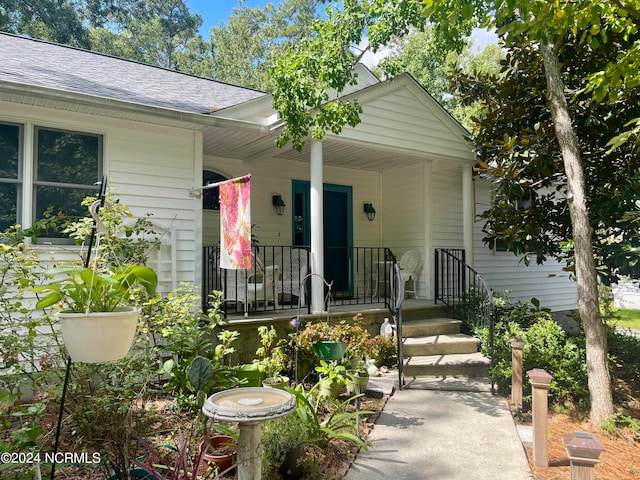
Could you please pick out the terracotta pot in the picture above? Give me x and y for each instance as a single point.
(219, 454)
(100, 336)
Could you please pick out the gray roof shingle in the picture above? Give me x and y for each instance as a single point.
(33, 62)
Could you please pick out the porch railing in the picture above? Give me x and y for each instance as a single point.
(358, 276)
(465, 292)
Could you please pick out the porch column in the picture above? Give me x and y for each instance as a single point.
(317, 230)
(467, 213)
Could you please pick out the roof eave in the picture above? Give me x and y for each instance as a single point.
(155, 114)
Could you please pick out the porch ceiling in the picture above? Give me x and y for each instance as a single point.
(251, 147)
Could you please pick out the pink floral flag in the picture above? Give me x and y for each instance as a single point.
(235, 223)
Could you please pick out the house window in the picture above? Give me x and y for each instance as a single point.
(211, 196)
(10, 179)
(65, 168)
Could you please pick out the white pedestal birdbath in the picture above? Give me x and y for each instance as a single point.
(249, 406)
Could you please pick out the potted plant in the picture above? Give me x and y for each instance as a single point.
(359, 380)
(271, 359)
(332, 380)
(218, 454)
(383, 349)
(97, 320)
(355, 337)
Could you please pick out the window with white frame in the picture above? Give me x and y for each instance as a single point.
(51, 182)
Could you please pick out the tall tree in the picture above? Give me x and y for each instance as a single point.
(437, 69)
(241, 50)
(304, 78)
(150, 31)
(60, 21)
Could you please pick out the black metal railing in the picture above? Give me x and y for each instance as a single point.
(357, 275)
(465, 292)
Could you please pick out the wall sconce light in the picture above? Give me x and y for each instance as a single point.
(370, 211)
(278, 203)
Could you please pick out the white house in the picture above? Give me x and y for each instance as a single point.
(157, 133)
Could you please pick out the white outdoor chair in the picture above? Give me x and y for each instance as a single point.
(245, 289)
(295, 267)
(409, 265)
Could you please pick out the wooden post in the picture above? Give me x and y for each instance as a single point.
(517, 345)
(540, 381)
(583, 451)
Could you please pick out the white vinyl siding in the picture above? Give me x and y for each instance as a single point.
(150, 169)
(504, 271)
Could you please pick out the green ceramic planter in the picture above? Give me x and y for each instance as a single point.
(330, 350)
(251, 373)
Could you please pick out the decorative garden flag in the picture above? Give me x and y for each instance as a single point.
(235, 223)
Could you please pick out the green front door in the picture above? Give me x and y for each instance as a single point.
(338, 231)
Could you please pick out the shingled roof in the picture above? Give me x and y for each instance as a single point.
(38, 63)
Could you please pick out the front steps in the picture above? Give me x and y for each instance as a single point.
(437, 355)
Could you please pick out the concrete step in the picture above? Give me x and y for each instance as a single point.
(412, 312)
(430, 326)
(440, 345)
(451, 383)
(467, 365)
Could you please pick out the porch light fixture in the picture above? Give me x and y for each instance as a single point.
(278, 203)
(370, 211)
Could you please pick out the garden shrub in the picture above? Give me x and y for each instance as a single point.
(31, 361)
(547, 346)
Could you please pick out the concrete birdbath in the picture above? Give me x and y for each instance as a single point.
(249, 406)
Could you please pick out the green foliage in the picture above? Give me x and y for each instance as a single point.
(111, 407)
(84, 290)
(126, 241)
(521, 157)
(622, 422)
(338, 425)
(547, 346)
(30, 361)
(332, 372)
(187, 334)
(242, 50)
(269, 358)
(278, 437)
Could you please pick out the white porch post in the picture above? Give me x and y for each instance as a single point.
(317, 230)
(467, 212)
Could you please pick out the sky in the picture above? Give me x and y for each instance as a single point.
(216, 11)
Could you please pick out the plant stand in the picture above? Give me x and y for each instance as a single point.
(101, 197)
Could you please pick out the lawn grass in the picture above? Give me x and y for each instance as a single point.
(627, 318)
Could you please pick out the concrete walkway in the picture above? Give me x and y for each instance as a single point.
(442, 435)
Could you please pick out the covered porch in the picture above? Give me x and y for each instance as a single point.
(408, 160)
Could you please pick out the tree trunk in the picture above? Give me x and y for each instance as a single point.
(600, 391)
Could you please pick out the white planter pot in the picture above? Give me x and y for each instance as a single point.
(101, 336)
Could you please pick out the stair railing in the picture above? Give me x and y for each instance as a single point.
(397, 315)
(464, 291)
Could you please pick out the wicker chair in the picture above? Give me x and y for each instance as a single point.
(409, 265)
(295, 267)
(243, 288)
